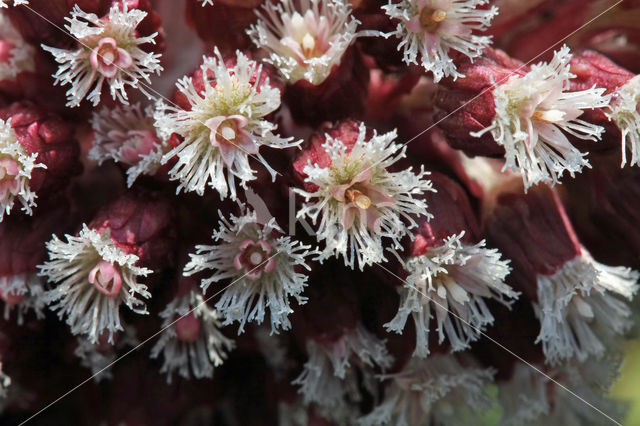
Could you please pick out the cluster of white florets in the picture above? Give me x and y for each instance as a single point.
(91, 278)
(224, 127)
(20, 54)
(533, 113)
(359, 201)
(108, 51)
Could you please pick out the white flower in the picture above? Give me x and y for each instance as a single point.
(24, 293)
(191, 342)
(305, 38)
(624, 112)
(430, 28)
(126, 135)
(533, 111)
(262, 267)
(454, 277)
(360, 201)
(16, 165)
(224, 126)
(6, 3)
(94, 277)
(108, 51)
(578, 308)
(531, 398)
(20, 55)
(435, 390)
(98, 357)
(326, 374)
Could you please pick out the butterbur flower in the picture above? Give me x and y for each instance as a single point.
(359, 201)
(263, 266)
(92, 277)
(16, 56)
(126, 134)
(22, 293)
(100, 356)
(109, 50)
(305, 38)
(528, 397)
(191, 342)
(432, 391)
(331, 366)
(16, 166)
(430, 29)
(578, 300)
(533, 114)
(450, 270)
(224, 126)
(624, 113)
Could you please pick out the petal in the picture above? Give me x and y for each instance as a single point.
(348, 216)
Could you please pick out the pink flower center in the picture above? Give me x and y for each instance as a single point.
(9, 185)
(430, 18)
(254, 257)
(6, 48)
(106, 278)
(138, 143)
(188, 328)
(307, 37)
(229, 135)
(107, 58)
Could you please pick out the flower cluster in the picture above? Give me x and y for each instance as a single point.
(317, 212)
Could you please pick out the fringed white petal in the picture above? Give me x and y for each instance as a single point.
(75, 67)
(530, 121)
(21, 56)
(29, 286)
(435, 390)
(191, 358)
(18, 183)
(305, 38)
(267, 287)
(360, 245)
(88, 311)
(452, 277)
(237, 92)
(624, 113)
(98, 357)
(580, 310)
(453, 31)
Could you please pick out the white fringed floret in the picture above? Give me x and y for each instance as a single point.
(11, 148)
(238, 91)
(360, 245)
(21, 56)
(248, 300)
(29, 286)
(579, 308)
(197, 358)
(453, 279)
(454, 32)
(305, 38)
(75, 67)
(99, 358)
(88, 311)
(533, 113)
(624, 113)
(435, 390)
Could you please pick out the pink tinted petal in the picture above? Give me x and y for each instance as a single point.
(240, 120)
(246, 244)
(441, 4)
(422, 4)
(123, 59)
(338, 191)
(377, 197)
(294, 46)
(364, 176)
(245, 142)
(213, 124)
(414, 25)
(348, 216)
(109, 71)
(227, 152)
(10, 165)
(453, 28)
(266, 247)
(271, 263)
(552, 134)
(237, 261)
(372, 216)
(433, 42)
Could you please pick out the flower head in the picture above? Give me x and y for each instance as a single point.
(126, 135)
(624, 113)
(431, 28)
(532, 115)
(359, 200)
(100, 356)
(16, 165)
(305, 38)
(261, 263)
(16, 55)
(24, 293)
(224, 126)
(455, 276)
(94, 277)
(191, 342)
(431, 390)
(108, 51)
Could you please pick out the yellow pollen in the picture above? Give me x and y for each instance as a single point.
(429, 17)
(358, 198)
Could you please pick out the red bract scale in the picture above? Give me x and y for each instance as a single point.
(317, 212)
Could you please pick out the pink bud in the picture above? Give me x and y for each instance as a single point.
(107, 58)
(106, 278)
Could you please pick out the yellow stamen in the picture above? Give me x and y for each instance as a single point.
(358, 198)
(429, 17)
